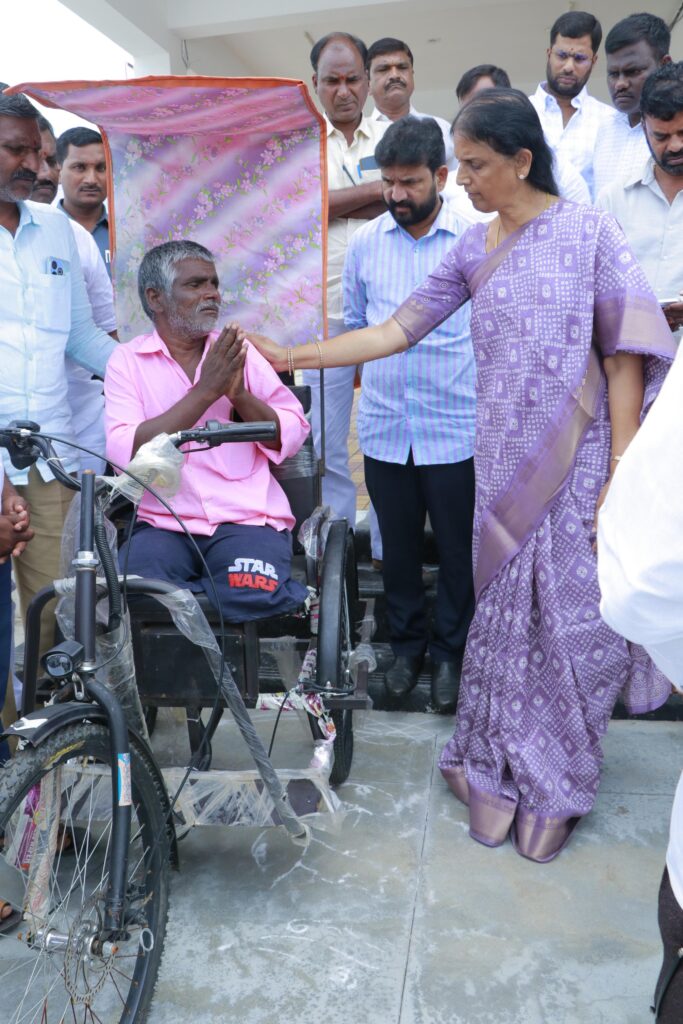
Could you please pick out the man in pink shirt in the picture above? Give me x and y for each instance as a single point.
(175, 378)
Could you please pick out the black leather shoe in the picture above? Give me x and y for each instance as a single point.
(402, 677)
(445, 684)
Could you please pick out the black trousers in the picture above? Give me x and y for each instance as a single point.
(402, 497)
(671, 928)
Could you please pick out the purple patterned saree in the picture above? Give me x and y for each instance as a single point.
(542, 671)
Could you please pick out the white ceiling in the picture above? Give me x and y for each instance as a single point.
(274, 37)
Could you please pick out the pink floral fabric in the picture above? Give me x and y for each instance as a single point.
(234, 164)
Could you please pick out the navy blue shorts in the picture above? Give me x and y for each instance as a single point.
(250, 567)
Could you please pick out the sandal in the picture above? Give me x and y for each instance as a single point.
(11, 920)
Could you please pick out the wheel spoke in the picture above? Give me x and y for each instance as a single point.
(54, 974)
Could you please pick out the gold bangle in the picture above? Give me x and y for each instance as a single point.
(290, 361)
(320, 353)
(616, 458)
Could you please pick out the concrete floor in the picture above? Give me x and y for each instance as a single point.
(400, 918)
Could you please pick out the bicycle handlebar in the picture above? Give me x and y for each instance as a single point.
(214, 433)
(25, 444)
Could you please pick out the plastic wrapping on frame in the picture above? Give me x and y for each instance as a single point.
(158, 464)
(247, 797)
(215, 798)
(245, 792)
(314, 530)
(114, 649)
(32, 845)
(303, 463)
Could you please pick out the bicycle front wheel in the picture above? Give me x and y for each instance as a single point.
(57, 965)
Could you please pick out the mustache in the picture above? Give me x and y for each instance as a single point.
(45, 183)
(406, 204)
(395, 81)
(24, 176)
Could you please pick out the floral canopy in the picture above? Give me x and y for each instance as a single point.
(235, 164)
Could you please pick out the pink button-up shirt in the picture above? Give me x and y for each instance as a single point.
(228, 484)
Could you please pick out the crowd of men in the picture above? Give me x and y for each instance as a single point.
(395, 208)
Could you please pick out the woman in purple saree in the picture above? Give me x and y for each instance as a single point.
(571, 348)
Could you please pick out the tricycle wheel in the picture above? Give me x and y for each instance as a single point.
(337, 620)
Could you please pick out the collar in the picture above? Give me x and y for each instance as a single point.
(26, 212)
(446, 220)
(548, 99)
(362, 128)
(644, 175)
(104, 219)
(646, 178)
(377, 115)
(151, 343)
(623, 120)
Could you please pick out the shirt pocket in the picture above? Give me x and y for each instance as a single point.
(53, 302)
(237, 460)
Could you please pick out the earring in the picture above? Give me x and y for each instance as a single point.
(521, 177)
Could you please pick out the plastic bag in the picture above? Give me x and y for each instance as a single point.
(158, 464)
(314, 530)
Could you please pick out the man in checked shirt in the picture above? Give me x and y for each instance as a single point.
(417, 411)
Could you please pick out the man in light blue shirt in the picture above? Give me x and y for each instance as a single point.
(417, 411)
(44, 314)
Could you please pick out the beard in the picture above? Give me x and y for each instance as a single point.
(414, 213)
(662, 160)
(565, 88)
(675, 170)
(19, 187)
(196, 324)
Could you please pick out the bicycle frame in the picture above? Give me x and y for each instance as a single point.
(86, 564)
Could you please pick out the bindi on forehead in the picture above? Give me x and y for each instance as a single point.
(581, 45)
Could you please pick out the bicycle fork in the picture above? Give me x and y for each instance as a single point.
(86, 564)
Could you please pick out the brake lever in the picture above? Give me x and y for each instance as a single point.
(23, 443)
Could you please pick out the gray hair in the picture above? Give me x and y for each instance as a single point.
(17, 105)
(157, 269)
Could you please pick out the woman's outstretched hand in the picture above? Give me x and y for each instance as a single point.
(270, 350)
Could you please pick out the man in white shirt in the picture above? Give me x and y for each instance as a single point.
(571, 118)
(649, 204)
(85, 393)
(634, 48)
(640, 570)
(355, 196)
(392, 84)
(44, 314)
(569, 182)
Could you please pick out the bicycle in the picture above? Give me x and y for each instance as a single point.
(87, 836)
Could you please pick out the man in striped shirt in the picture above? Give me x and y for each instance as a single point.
(417, 411)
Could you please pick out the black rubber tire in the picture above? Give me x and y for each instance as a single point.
(338, 601)
(336, 635)
(71, 983)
